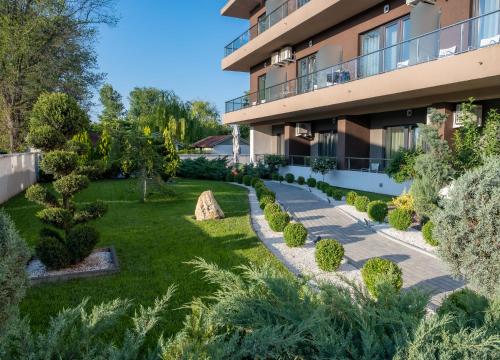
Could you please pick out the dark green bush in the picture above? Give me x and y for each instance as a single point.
(229, 177)
(334, 193)
(202, 168)
(239, 178)
(275, 176)
(377, 271)
(377, 210)
(311, 182)
(265, 200)
(80, 242)
(271, 209)
(400, 219)
(329, 254)
(91, 211)
(52, 253)
(350, 198)
(320, 185)
(361, 203)
(301, 180)
(324, 187)
(278, 221)
(255, 181)
(247, 180)
(295, 234)
(427, 234)
(466, 306)
(290, 178)
(281, 178)
(71, 184)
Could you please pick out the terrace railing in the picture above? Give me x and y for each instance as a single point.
(294, 160)
(455, 39)
(374, 165)
(263, 24)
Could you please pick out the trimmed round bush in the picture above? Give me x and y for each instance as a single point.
(278, 221)
(281, 178)
(377, 210)
(52, 253)
(58, 217)
(350, 198)
(295, 234)
(400, 219)
(301, 180)
(265, 200)
(329, 254)
(290, 178)
(275, 176)
(377, 271)
(465, 304)
(80, 242)
(229, 177)
(270, 209)
(247, 180)
(59, 163)
(255, 181)
(69, 185)
(361, 203)
(311, 182)
(427, 234)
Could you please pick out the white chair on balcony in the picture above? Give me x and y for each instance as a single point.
(403, 64)
(489, 41)
(447, 52)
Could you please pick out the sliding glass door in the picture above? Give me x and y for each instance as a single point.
(489, 25)
(306, 73)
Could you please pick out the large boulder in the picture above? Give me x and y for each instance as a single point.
(207, 207)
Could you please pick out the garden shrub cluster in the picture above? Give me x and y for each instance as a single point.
(301, 180)
(329, 254)
(377, 271)
(311, 182)
(377, 210)
(295, 234)
(290, 178)
(361, 203)
(278, 221)
(202, 168)
(350, 198)
(400, 219)
(335, 193)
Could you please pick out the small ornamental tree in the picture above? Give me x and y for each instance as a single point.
(57, 118)
(274, 162)
(172, 160)
(323, 166)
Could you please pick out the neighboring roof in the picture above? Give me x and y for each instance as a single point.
(211, 141)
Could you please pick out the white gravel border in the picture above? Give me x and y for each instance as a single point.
(411, 238)
(300, 261)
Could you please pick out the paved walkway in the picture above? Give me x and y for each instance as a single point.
(361, 243)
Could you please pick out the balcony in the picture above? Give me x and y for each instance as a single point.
(294, 21)
(456, 58)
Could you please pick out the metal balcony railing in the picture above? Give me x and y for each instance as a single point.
(294, 160)
(468, 35)
(374, 165)
(263, 24)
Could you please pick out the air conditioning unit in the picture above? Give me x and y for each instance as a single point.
(286, 55)
(477, 116)
(275, 58)
(415, 2)
(303, 129)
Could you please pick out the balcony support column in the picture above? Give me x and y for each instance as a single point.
(353, 139)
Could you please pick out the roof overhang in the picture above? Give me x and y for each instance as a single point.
(239, 8)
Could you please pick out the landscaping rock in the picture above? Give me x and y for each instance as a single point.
(207, 207)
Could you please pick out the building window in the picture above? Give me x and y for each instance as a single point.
(489, 25)
(306, 73)
(327, 144)
(401, 137)
(389, 37)
(262, 87)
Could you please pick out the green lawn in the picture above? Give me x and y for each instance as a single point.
(153, 240)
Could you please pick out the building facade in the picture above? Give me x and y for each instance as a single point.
(353, 79)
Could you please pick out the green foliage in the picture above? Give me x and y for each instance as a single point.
(265, 200)
(467, 226)
(329, 254)
(239, 178)
(171, 161)
(90, 211)
(311, 182)
(52, 252)
(466, 138)
(377, 210)
(270, 209)
(281, 178)
(490, 141)
(80, 242)
(202, 168)
(59, 163)
(361, 203)
(55, 118)
(275, 176)
(278, 220)
(351, 197)
(14, 254)
(427, 234)
(41, 195)
(301, 180)
(466, 306)
(112, 105)
(295, 234)
(247, 180)
(400, 219)
(402, 165)
(274, 162)
(377, 271)
(255, 181)
(323, 165)
(404, 201)
(229, 177)
(290, 178)
(69, 185)
(56, 216)
(335, 193)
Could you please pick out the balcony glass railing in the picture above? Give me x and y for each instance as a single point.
(263, 24)
(468, 35)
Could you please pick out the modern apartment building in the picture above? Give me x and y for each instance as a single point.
(352, 79)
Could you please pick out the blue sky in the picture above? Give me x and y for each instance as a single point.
(172, 45)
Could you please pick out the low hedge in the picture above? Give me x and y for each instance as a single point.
(290, 178)
(377, 210)
(311, 182)
(278, 220)
(329, 254)
(270, 209)
(275, 176)
(52, 252)
(255, 181)
(350, 198)
(295, 234)
(400, 219)
(321, 185)
(334, 193)
(427, 234)
(265, 200)
(247, 180)
(301, 180)
(377, 271)
(361, 203)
